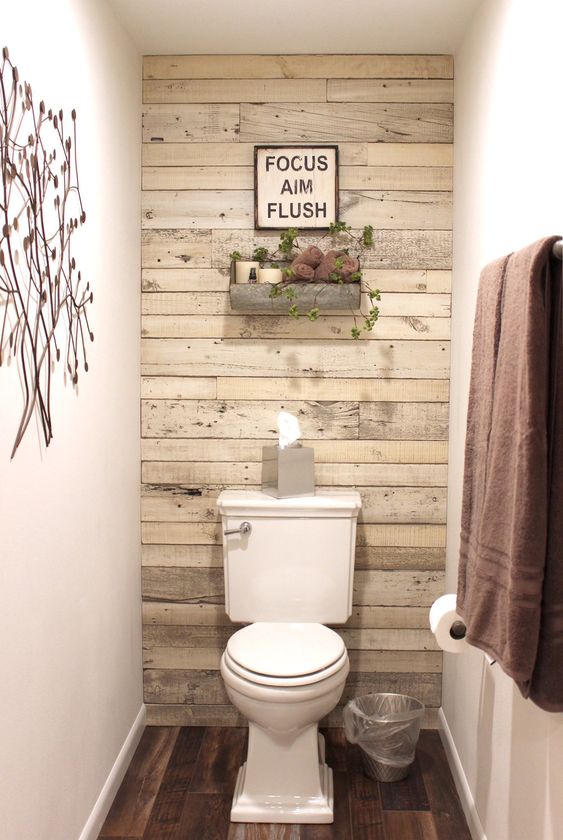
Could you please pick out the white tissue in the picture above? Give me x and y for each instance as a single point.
(443, 617)
(288, 427)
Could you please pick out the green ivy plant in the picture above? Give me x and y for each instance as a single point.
(342, 238)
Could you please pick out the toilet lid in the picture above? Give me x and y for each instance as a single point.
(281, 649)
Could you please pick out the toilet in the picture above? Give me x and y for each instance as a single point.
(289, 568)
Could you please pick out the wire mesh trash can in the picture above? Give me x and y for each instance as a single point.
(386, 727)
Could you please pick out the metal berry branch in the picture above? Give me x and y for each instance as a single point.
(41, 291)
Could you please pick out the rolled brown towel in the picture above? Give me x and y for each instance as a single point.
(310, 256)
(327, 265)
(302, 271)
(349, 267)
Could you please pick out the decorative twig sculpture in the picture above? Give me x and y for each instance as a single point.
(42, 295)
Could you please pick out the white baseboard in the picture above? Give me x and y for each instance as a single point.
(116, 774)
(460, 779)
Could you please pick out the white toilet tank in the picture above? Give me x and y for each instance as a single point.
(297, 562)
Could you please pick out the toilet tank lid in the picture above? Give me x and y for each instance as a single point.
(324, 502)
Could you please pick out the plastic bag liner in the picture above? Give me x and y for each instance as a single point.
(386, 727)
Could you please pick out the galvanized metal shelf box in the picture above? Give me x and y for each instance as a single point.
(255, 297)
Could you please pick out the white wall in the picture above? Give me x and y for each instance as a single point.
(69, 534)
(508, 192)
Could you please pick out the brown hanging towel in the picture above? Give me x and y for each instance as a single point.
(509, 528)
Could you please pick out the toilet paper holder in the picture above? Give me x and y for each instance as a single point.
(458, 630)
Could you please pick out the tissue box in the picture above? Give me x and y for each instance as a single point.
(288, 472)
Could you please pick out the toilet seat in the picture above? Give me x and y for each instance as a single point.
(285, 654)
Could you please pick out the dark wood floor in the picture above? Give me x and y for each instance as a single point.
(180, 784)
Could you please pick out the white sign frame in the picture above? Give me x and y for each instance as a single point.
(295, 186)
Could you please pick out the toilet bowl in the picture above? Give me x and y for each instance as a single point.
(289, 567)
(285, 777)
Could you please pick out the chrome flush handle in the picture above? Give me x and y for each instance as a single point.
(244, 530)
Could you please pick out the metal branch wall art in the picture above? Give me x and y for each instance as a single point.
(43, 300)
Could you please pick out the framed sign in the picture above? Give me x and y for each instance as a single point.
(295, 186)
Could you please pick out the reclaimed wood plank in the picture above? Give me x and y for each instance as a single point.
(355, 638)
(405, 154)
(335, 121)
(188, 209)
(182, 686)
(395, 178)
(183, 585)
(227, 474)
(180, 637)
(400, 557)
(209, 418)
(397, 588)
(183, 555)
(178, 388)
(232, 154)
(394, 249)
(184, 280)
(368, 638)
(431, 536)
(397, 305)
(371, 588)
(363, 390)
(396, 210)
(206, 687)
(297, 66)
(175, 248)
(247, 419)
(198, 178)
(209, 533)
(216, 357)
(186, 625)
(176, 533)
(208, 659)
(175, 206)
(176, 503)
(367, 557)
(409, 420)
(226, 715)
(326, 451)
(389, 90)
(190, 123)
(251, 90)
(202, 715)
(160, 617)
(408, 280)
(336, 327)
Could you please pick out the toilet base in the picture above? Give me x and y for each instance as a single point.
(289, 808)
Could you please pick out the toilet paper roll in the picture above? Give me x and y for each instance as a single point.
(447, 626)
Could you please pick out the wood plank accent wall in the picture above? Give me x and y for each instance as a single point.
(376, 410)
